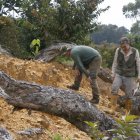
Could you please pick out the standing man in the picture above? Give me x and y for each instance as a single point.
(88, 61)
(125, 70)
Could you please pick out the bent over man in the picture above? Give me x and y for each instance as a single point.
(88, 61)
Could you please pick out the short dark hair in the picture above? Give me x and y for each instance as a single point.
(124, 40)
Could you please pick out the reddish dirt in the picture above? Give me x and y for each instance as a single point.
(52, 74)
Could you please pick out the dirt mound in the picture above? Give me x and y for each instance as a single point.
(48, 74)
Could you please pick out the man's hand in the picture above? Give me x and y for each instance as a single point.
(89, 79)
(138, 80)
(113, 76)
(77, 72)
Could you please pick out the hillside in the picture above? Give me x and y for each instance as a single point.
(49, 74)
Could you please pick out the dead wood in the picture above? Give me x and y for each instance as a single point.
(54, 50)
(105, 75)
(5, 135)
(63, 103)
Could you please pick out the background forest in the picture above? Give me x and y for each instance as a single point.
(62, 21)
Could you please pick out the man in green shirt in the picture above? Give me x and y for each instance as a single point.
(88, 61)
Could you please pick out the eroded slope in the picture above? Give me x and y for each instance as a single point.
(52, 74)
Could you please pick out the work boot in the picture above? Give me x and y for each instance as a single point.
(73, 87)
(114, 99)
(95, 100)
(128, 105)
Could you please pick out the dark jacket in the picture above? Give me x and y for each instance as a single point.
(127, 68)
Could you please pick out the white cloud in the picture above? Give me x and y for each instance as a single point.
(115, 15)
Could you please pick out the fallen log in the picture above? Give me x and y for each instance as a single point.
(5, 135)
(54, 50)
(63, 103)
(105, 75)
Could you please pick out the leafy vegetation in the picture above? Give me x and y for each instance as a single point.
(63, 20)
(107, 51)
(57, 136)
(132, 10)
(135, 29)
(135, 40)
(95, 133)
(64, 60)
(125, 128)
(9, 36)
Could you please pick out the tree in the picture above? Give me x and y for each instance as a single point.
(8, 35)
(109, 33)
(132, 10)
(59, 20)
(6, 6)
(135, 29)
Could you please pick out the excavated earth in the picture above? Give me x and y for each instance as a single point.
(48, 74)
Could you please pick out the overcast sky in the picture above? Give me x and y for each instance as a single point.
(115, 15)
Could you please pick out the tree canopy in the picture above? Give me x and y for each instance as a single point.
(135, 29)
(59, 20)
(132, 10)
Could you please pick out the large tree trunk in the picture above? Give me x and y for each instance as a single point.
(64, 103)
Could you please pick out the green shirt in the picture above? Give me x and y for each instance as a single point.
(82, 56)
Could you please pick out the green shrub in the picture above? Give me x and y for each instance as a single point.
(107, 52)
(126, 128)
(9, 38)
(57, 137)
(64, 60)
(135, 41)
(96, 134)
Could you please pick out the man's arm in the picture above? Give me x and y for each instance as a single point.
(138, 63)
(114, 65)
(80, 65)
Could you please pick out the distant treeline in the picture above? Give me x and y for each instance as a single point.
(108, 33)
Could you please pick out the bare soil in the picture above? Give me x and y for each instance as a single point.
(48, 74)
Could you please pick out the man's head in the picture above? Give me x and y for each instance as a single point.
(124, 44)
(65, 50)
(124, 40)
